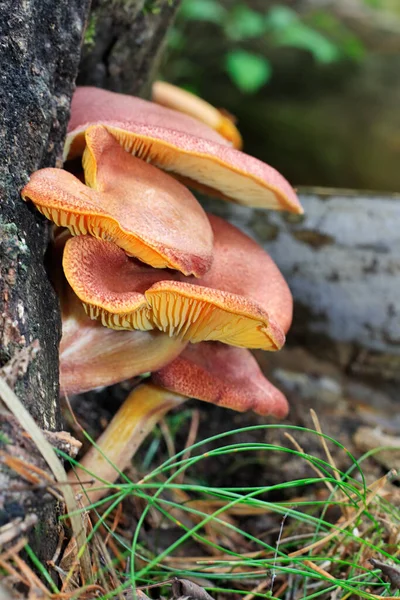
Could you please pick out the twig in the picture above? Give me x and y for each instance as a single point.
(329, 456)
(259, 588)
(169, 442)
(16, 528)
(191, 438)
(314, 468)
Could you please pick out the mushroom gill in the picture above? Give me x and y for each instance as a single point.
(243, 300)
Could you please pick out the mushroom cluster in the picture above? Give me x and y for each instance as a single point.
(169, 289)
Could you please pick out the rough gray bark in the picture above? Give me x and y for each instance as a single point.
(124, 43)
(342, 262)
(38, 64)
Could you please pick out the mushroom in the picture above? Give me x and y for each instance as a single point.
(143, 210)
(180, 144)
(174, 97)
(243, 300)
(209, 371)
(94, 356)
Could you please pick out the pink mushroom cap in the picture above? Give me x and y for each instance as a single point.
(223, 375)
(180, 144)
(143, 210)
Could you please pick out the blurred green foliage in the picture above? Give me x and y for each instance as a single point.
(247, 70)
(250, 34)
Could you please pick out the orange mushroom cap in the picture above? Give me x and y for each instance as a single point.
(178, 143)
(174, 97)
(243, 300)
(143, 210)
(222, 375)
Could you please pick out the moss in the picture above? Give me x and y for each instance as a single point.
(4, 439)
(154, 6)
(90, 32)
(9, 229)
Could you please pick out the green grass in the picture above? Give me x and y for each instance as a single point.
(230, 559)
(225, 564)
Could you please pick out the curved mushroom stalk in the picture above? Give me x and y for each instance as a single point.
(174, 97)
(179, 144)
(216, 373)
(140, 208)
(145, 406)
(243, 300)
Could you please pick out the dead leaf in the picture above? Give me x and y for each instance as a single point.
(183, 588)
(391, 573)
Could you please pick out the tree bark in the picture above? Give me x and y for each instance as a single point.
(39, 62)
(38, 65)
(41, 50)
(124, 44)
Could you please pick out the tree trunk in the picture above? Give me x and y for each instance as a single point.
(38, 65)
(124, 43)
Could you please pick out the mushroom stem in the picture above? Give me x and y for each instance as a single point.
(171, 96)
(142, 410)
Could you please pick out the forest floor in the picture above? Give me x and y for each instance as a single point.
(253, 508)
(302, 494)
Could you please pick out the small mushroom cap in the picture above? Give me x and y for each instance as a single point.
(143, 210)
(174, 97)
(91, 106)
(175, 142)
(243, 300)
(222, 375)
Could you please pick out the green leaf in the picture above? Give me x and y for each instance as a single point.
(203, 10)
(176, 39)
(248, 71)
(334, 29)
(301, 36)
(244, 23)
(280, 17)
(353, 48)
